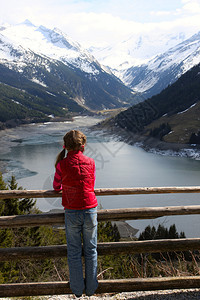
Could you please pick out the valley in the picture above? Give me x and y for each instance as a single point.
(152, 97)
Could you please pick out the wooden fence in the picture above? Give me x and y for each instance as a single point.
(105, 286)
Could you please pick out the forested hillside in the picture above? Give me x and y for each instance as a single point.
(172, 115)
(57, 93)
(18, 107)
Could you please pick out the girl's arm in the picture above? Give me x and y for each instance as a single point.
(57, 183)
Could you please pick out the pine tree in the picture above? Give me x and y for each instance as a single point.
(2, 187)
(173, 234)
(9, 207)
(23, 271)
(151, 233)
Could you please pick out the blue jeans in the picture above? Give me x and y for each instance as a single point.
(82, 223)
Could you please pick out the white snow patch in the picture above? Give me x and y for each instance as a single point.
(16, 102)
(146, 84)
(170, 132)
(35, 80)
(181, 112)
(51, 94)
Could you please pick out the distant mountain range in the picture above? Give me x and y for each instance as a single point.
(137, 49)
(172, 116)
(168, 85)
(149, 63)
(151, 78)
(44, 74)
(56, 74)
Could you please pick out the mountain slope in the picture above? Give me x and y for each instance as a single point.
(48, 64)
(172, 115)
(137, 49)
(19, 107)
(151, 78)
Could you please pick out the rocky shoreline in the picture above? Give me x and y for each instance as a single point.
(151, 144)
(13, 123)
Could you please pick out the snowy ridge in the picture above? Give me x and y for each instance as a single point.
(164, 69)
(145, 63)
(53, 44)
(150, 62)
(43, 58)
(13, 55)
(137, 49)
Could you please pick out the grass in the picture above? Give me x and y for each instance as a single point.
(182, 125)
(146, 266)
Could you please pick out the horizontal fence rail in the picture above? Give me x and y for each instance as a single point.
(111, 248)
(103, 215)
(105, 286)
(99, 192)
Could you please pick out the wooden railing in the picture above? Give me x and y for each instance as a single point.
(105, 286)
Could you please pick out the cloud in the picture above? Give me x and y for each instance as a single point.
(99, 29)
(187, 9)
(103, 22)
(191, 7)
(160, 13)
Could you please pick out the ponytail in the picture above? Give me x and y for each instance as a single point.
(73, 140)
(60, 157)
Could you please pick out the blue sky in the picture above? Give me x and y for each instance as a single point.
(100, 22)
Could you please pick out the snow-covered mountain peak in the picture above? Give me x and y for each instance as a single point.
(58, 38)
(194, 38)
(164, 68)
(56, 72)
(52, 43)
(27, 23)
(3, 26)
(137, 49)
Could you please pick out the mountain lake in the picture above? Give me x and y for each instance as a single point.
(29, 152)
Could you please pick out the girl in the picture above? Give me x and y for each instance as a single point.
(75, 176)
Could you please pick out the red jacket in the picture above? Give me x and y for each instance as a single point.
(75, 175)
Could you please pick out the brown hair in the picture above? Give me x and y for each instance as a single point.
(73, 140)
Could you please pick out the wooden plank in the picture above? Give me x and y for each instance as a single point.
(32, 220)
(10, 194)
(148, 284)
(105, 286)
(18, 253)
(146, 212)
(4, 194)
(134, 247)
(103, 215)
(149, 246)
(34, 289)
(146, 190)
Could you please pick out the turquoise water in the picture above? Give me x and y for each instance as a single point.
(32, 158)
